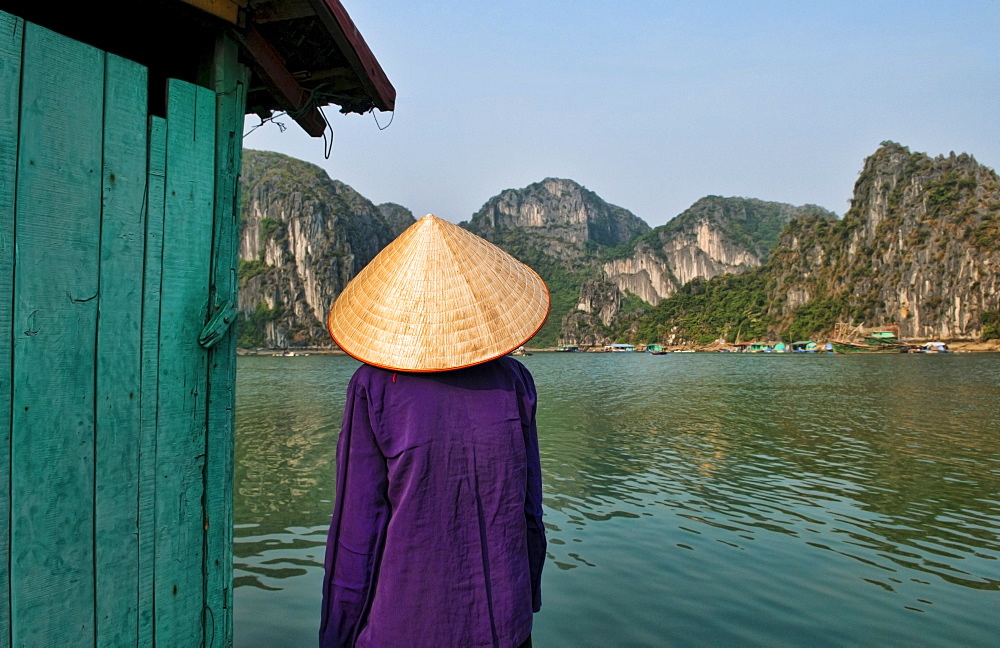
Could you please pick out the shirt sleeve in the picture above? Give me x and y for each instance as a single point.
(533, 497)
(357, 529)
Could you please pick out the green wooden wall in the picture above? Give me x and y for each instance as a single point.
(117, 248)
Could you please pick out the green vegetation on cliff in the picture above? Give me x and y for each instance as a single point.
(919, 247)
(303, 236)
(745, 223)
(561, 230)
(284, 175)
(916, 248)
(250, 268)
(563, 279)
(728, 306)
(991, 325)
(252, 327)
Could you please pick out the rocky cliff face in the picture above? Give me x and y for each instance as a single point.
(920, 247)
(560, 216)
(560, 229)
(714, 236)
(596, 257)
(644, 274)
(303, 236)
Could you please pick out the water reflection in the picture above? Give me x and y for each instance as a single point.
(748, 448)
(287, 418)
(721, 499)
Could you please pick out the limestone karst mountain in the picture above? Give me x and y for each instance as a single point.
(562, 218)
(561, 229)
(303, 236)
(920, 247)
(600, 260)
(715, 236)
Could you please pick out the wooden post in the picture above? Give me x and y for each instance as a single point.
(183, 366)
(229, 80)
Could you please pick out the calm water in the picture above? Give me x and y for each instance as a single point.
(691, 499)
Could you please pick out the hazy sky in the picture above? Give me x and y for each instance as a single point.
(655, 104)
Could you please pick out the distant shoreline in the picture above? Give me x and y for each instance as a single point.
(986, 346)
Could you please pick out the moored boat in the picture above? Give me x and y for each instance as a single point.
(885, 339)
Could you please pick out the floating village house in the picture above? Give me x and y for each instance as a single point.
(120, 142)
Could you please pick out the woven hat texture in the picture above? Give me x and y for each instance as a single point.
(438, 298)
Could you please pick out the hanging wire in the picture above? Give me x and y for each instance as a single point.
(327, 148)
(272, 118)
(392, 116)
(315, 94)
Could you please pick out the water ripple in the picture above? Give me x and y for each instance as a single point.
(724, 500)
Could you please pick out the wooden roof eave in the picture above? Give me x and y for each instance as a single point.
(299, 102)
(356, 51)
(294, 99)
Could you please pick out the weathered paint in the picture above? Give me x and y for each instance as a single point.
(116, 490)
(152, 274)
(11, 35)
(183, 371)
(117, 239)
(230, 84)
(56, 266)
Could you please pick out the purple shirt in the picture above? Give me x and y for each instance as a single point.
(437, 537)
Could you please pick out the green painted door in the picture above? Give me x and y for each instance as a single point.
(117, 245)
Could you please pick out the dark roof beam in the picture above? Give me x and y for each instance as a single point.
(293, 98)
(345, 76)
(359, 56)
(277, 11)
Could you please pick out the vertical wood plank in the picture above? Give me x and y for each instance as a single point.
(229, 83)
(11, 34)
(118, 352)
(149, 405)
(183, 365)
(57, 228)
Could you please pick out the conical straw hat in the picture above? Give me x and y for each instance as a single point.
(438, 298)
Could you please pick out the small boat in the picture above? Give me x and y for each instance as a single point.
(519, 351)
(567, 349)
(848, 339)
(868, 346)
(936, 347)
